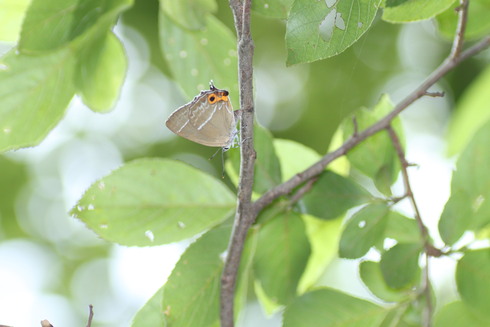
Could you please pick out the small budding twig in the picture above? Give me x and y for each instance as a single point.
(90, 315)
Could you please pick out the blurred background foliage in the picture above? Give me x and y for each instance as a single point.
(53, 267)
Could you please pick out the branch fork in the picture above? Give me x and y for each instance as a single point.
(247, 210)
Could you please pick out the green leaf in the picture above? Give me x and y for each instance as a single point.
(282, 253)
(329, 308)
(324, 238)
(191, 294)
(151, 313)
(12, 13)
(317, 30)
(52, 24)
(456, 216)
(190, 14)
(34, 95)
(372, 277)
(413, 10)
(332, 195)
(294, 157)
(468, 207)
(471, 113)
(364, 230)
(376, 156)
(457, 314)
(478, 24)
(196, 57)
(402, 229)
(272, 8)
(267, 171)
(154, 201)
(400, 266)
(473, 281)
(100, 73)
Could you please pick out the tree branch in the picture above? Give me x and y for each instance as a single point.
(318, 167)
(427, 317)
(90, 315)
(460, 29)
(246, 210)
(245, 214)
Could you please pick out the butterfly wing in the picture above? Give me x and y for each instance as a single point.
(205, 123)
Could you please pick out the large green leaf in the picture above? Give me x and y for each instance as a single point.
(468, 207)
(274, 8)
(399, 265)
(100, 73)
(413, 10)
(471, 113)
(457, 314)
(478, 24)
(281, 256)
(364, 230)
(51, 24)
(376, 156)
(372, 277)
(34, 94)
(154, 201)
(329, 308)
(473, 281)
(12, 13)
(191, 294)
(196, 57)
(190, 14)
(332, 195)
(321, 29)
(151, 313)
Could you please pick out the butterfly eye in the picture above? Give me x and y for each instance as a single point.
(211, 98)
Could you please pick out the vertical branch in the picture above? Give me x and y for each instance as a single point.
(460, 29)
(245, 213)
(428, 247)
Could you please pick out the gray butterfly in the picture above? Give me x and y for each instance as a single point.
(208, 119)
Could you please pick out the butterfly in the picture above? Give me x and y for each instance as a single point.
(208, 119)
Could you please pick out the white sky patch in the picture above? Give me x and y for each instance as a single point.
(330, 3)
(149, 235)
(339, 21)
(327, 25)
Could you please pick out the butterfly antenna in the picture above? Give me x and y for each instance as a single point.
(214, 155)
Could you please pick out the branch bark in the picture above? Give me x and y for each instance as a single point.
(245, 214)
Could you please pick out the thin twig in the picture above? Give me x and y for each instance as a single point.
(245, 214)
(460, 29)
(395, 140)
(435, 94)
(302, 190)
(90, 315)
(320, 165)
(406, 181)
